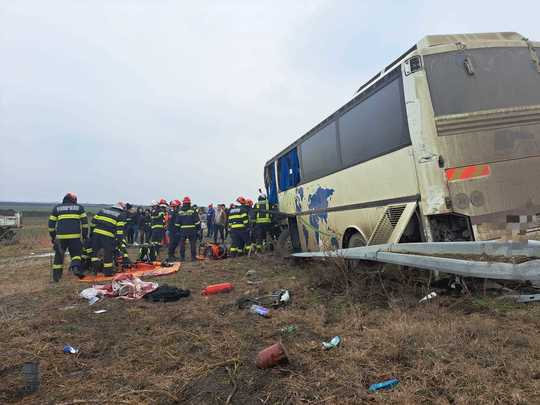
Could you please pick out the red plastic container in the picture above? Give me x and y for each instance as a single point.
(271, 356)
(217, 288)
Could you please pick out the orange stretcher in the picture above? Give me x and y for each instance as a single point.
(139, 269)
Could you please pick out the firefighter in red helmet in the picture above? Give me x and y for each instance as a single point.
(239, 227)
(188, 224)
(174, 230)
(68, 228)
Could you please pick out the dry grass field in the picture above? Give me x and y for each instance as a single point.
(453, 350)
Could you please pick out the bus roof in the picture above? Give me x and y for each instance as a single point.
(426, 42)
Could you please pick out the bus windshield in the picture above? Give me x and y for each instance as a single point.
(482, 79)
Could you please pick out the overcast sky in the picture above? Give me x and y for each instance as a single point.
(138, 99)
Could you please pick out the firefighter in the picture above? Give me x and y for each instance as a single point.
(189, 225)
(68, 227)
(239, 227)
(174, 230)
(263, 222)
(158, 227)
(107, 235)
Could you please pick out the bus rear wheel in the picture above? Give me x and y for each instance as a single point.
(284, 246)
(357, 240)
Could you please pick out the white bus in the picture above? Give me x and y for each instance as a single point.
(442, 145)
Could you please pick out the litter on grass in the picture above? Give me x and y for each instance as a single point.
(70, 350)
(272, 356)
(100, 311)
(334, 342)
(385, 385)
(428, 297)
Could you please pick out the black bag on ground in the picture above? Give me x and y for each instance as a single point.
(167, 293)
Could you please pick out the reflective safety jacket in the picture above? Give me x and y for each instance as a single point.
(239, 217)
(158, 218)
(68, 221)
(187, 218)
(110, 222)
(264, 216)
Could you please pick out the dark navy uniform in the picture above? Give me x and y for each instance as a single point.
(107, 235)
(263, 222)
(157, 224)
(239, 229)
(188, 225)
(68, 227)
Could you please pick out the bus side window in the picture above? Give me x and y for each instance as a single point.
(270, 183)
(288, 170)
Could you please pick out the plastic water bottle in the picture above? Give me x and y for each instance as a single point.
(385, 385)
(262, 311)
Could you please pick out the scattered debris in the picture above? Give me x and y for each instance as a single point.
(126, 286)
(259, 310)
(68, 307)
(522, 299)
(272, 356)
(385, 385)
(167, 293)
(70, 350)
(280, 298)
(31, 376)
(253, 277)
(428, 297)
(288, 330)
(335, 342)
(91, 294)
(217, 288)
(100, 311)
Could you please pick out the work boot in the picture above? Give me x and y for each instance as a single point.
(57, 275)
(77, 271)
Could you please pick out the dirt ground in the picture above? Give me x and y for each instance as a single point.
(451, 350)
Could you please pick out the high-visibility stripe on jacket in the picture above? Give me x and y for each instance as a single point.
(239, 217)
(157, 218)
(262, 217)
(68, 221)
(187, 218)
(109, 222)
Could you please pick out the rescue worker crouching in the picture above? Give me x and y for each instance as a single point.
(107, 235)
(263, 222)
(238, 221)
(157, 216)
(188, 225)
(68, 227)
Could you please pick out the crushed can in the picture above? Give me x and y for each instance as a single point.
(272, 356)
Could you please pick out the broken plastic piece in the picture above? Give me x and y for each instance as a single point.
(385, 385)
(335, 342)
(288, 330)
(70, 349)
(428, 297)
(100, 311)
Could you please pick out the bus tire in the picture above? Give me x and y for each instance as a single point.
(357, 240)
(284, 247)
